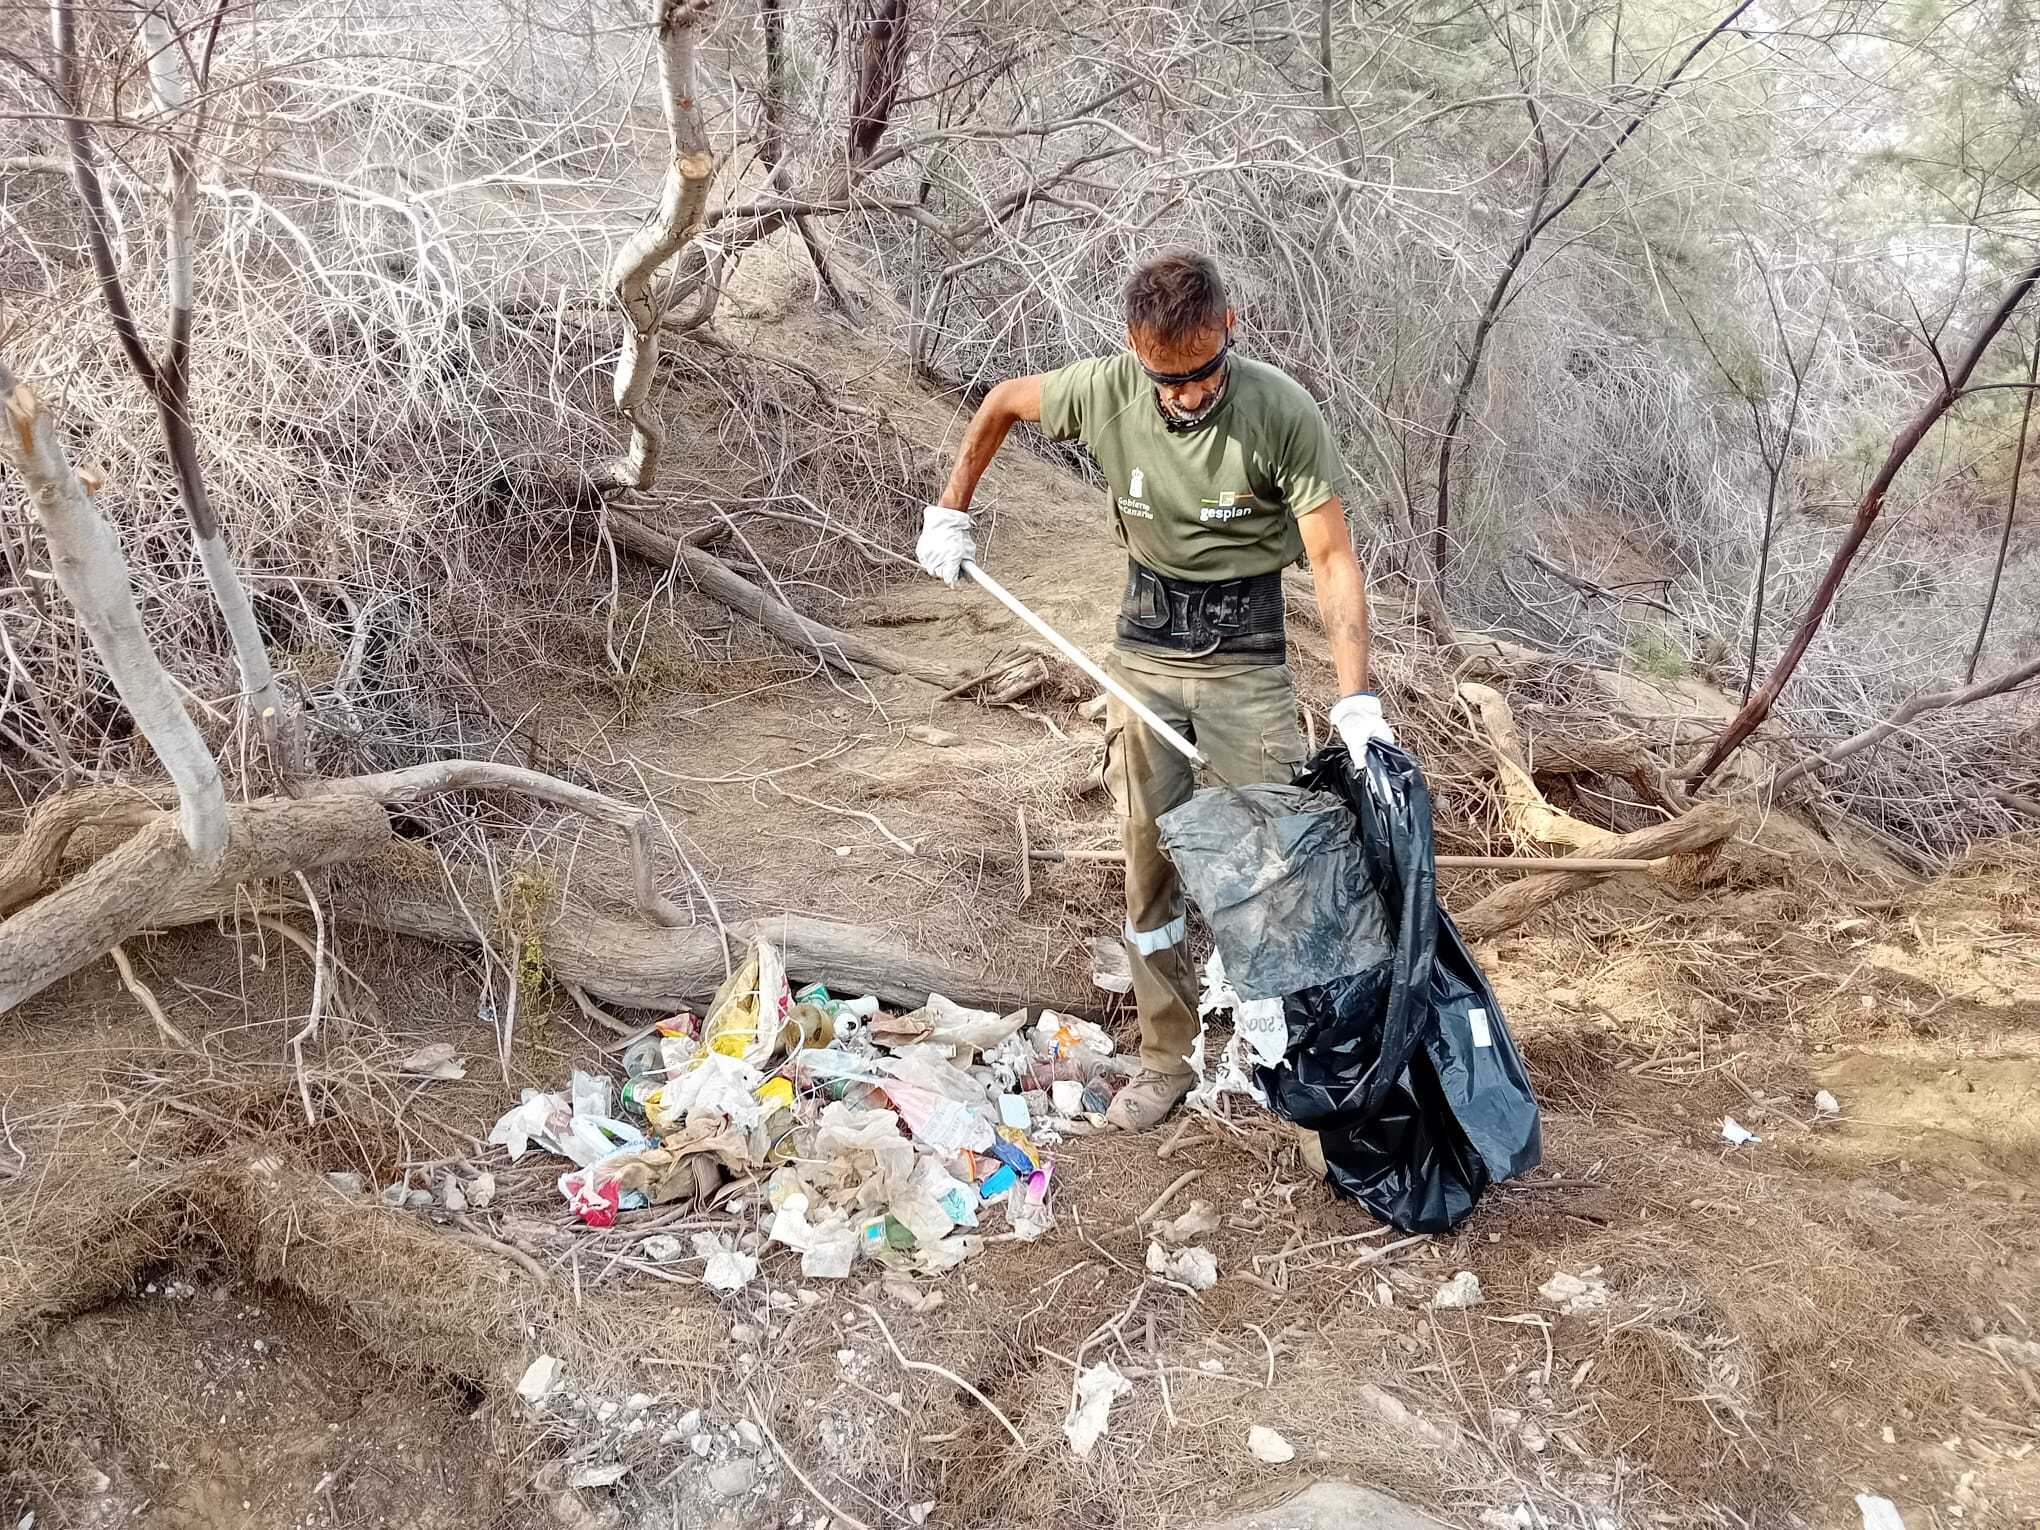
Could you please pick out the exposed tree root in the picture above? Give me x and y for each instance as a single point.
(147, 881)
(1701, 830)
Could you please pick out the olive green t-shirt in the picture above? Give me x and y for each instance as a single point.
(1218, 502)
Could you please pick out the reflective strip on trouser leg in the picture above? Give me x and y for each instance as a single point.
(1148, 942)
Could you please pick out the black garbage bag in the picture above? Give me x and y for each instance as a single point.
(1403, 1067)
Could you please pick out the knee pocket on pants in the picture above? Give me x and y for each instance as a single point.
(1282, 753)
(1115, 769)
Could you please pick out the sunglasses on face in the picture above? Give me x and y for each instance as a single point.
(1196, 374)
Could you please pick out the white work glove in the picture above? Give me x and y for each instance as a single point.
(1358, 722)
(945, 543)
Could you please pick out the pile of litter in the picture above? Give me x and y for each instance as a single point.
(890, 1137)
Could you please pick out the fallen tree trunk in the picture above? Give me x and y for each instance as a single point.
(150, 883)
(842, 651)
(153, 881)
(1528, 815)
(29, 866)
(1702, 829)
(640, 968)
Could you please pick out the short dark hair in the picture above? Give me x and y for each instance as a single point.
(1177, 295)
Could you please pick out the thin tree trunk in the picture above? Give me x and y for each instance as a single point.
(1997, 573)
(881, 66)
(91, 570)
(677, 221)
(1540, 219)
(169, 381)
(772, 147)
(1758, 707)
(1324, 53)
(1918, 706)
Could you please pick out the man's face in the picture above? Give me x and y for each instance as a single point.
(1185, 401)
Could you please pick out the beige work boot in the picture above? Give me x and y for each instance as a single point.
(1147, 1099)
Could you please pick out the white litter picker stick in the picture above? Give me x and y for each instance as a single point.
(1082, 660)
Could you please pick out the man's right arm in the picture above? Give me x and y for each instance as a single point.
(1015, 399)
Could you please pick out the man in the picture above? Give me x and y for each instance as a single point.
(1220, 473)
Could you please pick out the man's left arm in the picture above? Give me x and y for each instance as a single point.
(1342, 603)
(1341, 592)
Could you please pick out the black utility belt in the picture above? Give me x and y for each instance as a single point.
(1200, 618)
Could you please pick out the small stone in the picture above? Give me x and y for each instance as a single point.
(1825, 1104)
(733, 1479)
(661, 1248)
(346, 1181)
(750, 1434)
(1575, 1294)
(418, 1200)
(436, 1061)
(452, 1196)
(919, 1512)
(600, 1476)
(701, 1445)
(538, 1379)
(396, 1194)
(689, 1423)
(1266, 1445)
(260, 1347)
(637, 1402)
(1458, 1293)
(934, 738)
(606, 1412)
(743, 1333)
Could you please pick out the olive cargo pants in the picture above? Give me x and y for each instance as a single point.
(1244, 721)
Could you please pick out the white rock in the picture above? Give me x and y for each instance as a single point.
(750, 1434)
(451, 1196)
(661, 1248)
(538, 1379)
(1266, 1445)
(919, 1512)
(1825, 1104)
(701, 1444)
(346, 1181)
(606, 1412)
(1586, 1292)
(1458, 1293)
(637, 1402)
(600, 1476)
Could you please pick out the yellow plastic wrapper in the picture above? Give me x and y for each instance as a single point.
(744, 1021)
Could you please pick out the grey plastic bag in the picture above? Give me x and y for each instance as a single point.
(1283, 881)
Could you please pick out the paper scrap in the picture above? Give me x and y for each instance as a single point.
(1096, 1389)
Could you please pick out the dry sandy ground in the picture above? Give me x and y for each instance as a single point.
(1846, 1307)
